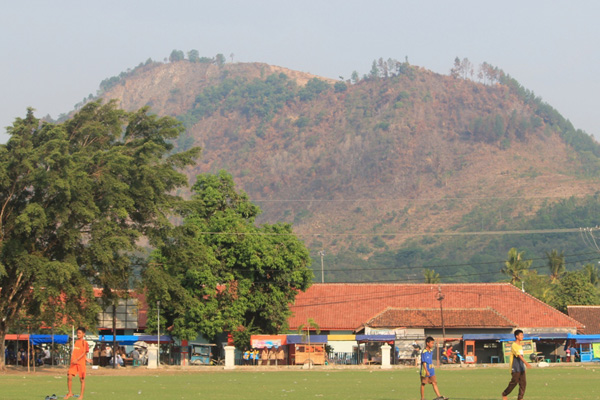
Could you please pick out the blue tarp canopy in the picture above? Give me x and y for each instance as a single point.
(41, 339)
(509, 337)
(375, 338)
(123, 340)
(585, 338)
(303, 339)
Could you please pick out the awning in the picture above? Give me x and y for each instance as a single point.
(305, 339)
(123, 340)
(154, 338)
(40, 339)
(375, 338)
(584, 338)
(509, 337)
(17, 336)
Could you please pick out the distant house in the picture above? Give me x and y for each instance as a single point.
(486, 312)
(589, 316)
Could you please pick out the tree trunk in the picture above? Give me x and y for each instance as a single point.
(2, 347)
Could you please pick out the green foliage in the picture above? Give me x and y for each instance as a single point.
(487, 129)
(431, 276)
(176, 55)
(258, 98)
(193, 55)
(515, 266)
(219, 272)
(312, 89)
(220, 60)
(75, 199)
(340, 87)
(574, 289)
(556, 264)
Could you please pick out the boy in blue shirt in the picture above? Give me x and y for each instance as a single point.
(427, 370)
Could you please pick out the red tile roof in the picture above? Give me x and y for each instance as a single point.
(588, 316)
(348, 306)
(432, 318)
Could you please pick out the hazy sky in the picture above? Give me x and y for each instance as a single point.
(55, 53)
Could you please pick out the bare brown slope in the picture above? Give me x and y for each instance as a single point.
(394, 156)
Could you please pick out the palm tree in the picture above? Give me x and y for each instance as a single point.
(431, 276)
(556, 263)
(515, 266)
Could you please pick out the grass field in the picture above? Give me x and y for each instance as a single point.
(556, 383)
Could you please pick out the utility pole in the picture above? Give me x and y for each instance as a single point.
(158, 332)
(440, 298)
(322, 254)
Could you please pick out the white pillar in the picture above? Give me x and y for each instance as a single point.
(229, 357)
(152, 356)
(385, 356)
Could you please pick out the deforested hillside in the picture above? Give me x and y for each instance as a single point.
(365, 169)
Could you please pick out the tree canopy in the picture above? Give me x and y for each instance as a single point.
(219, 272)
(75, 198)
(574, 289)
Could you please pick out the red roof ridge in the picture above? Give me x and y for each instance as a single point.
(584, 306)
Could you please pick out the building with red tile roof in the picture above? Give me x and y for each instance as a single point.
(589, 316)
(431, 318)
(471, 307)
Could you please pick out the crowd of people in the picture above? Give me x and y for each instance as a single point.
(265, 356)
(103, 356)
(37, 355)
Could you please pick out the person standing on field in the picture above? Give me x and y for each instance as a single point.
(78, 360)
(427, 370)
(517, 367)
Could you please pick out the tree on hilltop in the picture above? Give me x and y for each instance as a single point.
(176, 55)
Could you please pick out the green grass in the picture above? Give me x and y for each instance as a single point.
(556, 383)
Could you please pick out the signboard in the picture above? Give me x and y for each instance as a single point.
(268, 341)
(528, 349)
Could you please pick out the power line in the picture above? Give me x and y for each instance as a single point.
(406, 233)
(397, 199)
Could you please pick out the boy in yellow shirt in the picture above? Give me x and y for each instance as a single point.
(517, 367)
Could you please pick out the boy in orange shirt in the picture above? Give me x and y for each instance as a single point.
(78, 360)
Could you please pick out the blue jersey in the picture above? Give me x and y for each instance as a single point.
(427, 358)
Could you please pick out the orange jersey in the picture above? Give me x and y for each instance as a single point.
(80, 350)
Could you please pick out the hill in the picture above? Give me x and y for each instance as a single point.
(383, 172)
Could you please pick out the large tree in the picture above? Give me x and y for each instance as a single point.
(75, 198)
(574, 289)
(220, 272)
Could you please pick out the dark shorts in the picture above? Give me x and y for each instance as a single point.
(428, 380)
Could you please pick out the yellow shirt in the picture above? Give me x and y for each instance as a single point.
(516, 350)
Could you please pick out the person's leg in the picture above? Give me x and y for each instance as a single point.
(422, 391)
(82, 380)
(69, 386)
(514, 380)
(522, 385)
(435, 389)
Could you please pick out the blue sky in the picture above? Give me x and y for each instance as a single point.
(55, 53)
